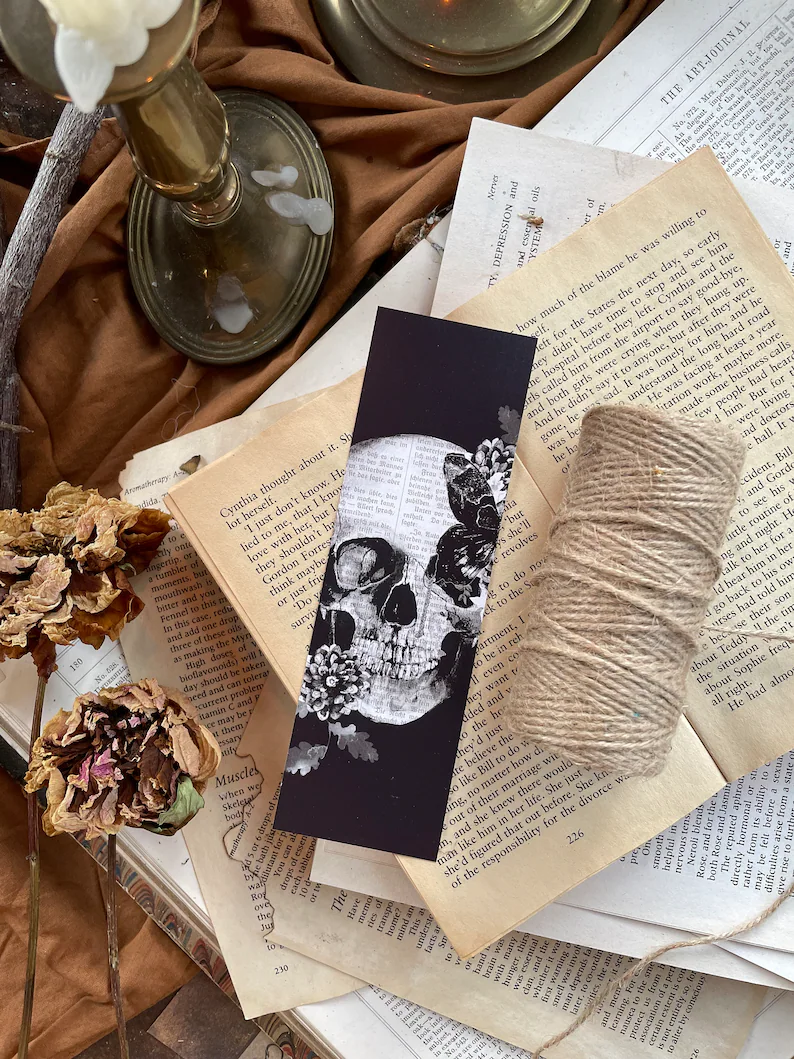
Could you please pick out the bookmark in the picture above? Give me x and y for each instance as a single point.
(401, 606)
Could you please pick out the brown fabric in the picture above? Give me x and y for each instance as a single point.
(72, 1002)
(98, 384)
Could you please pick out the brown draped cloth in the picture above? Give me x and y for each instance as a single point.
(98, 384)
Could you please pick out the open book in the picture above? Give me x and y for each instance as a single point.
(495, 868)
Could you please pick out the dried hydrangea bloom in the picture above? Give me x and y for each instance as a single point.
(134, 755)
(63, 571)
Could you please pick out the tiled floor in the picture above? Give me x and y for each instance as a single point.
(198, 1022)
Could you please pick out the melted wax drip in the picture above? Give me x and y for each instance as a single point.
(317, 213)
(286, 176)
(230, 306)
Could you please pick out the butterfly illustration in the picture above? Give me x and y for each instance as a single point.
(461, 564)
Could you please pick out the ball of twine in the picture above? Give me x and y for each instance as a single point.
(633, 555)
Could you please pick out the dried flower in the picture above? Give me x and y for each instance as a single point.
(134, 755)
(63, 571)
(331, 684)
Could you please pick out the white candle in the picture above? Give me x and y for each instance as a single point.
(95, 36)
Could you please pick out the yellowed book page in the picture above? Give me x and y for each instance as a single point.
(190, 638)
(676, 297)
(521, 827)
(521, 989)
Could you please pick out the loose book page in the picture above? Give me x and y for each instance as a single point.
(697, 318)
(519, 990)
(189, 637)
(373, 1023)
(379, 875)
(688, 876)
(521, 192)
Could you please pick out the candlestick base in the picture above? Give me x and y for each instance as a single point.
(228, 293)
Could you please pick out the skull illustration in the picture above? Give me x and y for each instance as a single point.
(404, 631)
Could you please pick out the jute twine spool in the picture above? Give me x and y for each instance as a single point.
(633, 555)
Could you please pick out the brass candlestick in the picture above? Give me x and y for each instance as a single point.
(220, 274)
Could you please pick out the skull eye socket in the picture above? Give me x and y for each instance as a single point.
(363, 562)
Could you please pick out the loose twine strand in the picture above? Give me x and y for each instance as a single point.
(633, 555)
(608, 991)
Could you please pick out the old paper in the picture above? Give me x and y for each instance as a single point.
(518, 990)
(372, 1023)
(379, 875)
(694, 74)
(188, 636)
(698, 318)
(716, 866)
(521, 192)
(479, 887)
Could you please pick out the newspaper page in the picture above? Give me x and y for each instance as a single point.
(189, 637)
(695, 74)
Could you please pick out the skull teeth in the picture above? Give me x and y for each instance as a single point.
(386, 658)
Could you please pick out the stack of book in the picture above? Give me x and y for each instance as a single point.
(529, 909)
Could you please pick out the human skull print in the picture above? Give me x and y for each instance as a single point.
(380, 603)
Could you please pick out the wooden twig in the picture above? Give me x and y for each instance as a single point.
(3, 231)
(35, 877)
(20, 266)
(113, 950)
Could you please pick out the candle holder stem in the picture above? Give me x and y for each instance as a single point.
(178, 136)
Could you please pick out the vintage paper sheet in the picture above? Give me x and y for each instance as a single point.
(739, 700)
(378, 874)
(372, 1023)
(188, 636)
(521, 192)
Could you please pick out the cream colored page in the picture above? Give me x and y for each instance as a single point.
(189, 637)
(370, 872)
(676, 297)
(266, 513)
(521, 989)
(523, 826)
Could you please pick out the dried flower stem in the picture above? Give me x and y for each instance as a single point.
(113, 950)
(35, 877)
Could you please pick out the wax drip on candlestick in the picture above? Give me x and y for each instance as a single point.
(92, 39)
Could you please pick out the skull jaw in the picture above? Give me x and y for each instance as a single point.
(400, 701)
